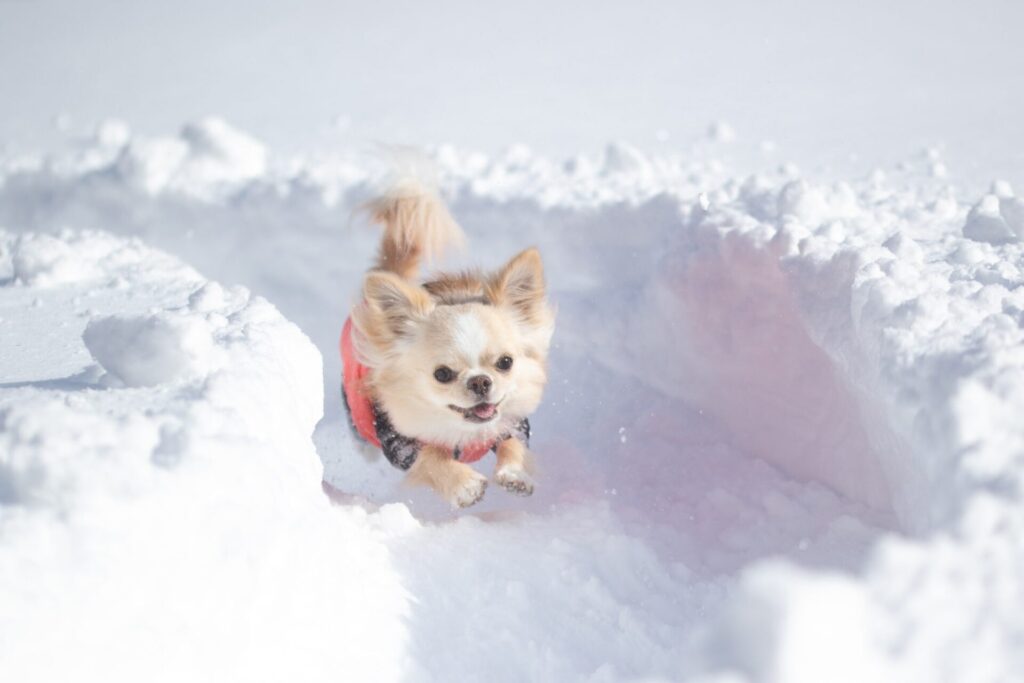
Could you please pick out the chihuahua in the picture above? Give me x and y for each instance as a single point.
(436, 374)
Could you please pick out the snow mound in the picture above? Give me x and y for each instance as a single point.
(208, 157)
(176, 512)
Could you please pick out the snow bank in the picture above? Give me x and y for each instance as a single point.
(163, 520)
(906, 366)
(781, 440)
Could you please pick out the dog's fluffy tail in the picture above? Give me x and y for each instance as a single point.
(417, 224)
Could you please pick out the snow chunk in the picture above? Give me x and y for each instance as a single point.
(45, 261)
(148, 350)
(113, 133)
(622, 158)
(1001, 189)
(208, 158)
(222, 153)
(996, 219)
(815, 205)
(151, 165)
(720, 131)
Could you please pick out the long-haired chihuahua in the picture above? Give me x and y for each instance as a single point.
(441, 372)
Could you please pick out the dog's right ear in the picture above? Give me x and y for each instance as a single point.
(391, 307)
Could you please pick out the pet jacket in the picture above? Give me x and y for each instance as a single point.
(373, 426)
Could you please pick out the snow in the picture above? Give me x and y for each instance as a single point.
(148, 520)
(147, 350)
(996, 219)
(782, 436)
(782, 445)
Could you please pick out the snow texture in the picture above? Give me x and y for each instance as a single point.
(156, 476)
(781, 441)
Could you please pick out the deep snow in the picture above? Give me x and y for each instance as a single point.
(780, 440)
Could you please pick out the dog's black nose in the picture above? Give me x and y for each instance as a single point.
(479, 385)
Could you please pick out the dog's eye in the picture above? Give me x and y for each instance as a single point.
(504, 363)
(444, 374)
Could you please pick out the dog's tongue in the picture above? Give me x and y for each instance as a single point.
(484, 410)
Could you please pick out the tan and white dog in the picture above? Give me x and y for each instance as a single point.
(438, 373)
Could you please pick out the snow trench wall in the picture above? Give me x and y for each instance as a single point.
(755, 320)
(846, 336)
(158, 481)
(745, 356)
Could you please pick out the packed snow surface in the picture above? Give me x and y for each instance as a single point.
(781, 439)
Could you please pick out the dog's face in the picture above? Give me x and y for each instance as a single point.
(463, 371)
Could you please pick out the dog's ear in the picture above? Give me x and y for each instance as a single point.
(391, 307)
(519, 286)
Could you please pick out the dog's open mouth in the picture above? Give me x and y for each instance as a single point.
(481, 412)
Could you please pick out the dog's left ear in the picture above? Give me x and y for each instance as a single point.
(519, 285)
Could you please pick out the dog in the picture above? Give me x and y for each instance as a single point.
(439, 373)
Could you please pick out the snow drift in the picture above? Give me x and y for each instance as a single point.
(156, 471)
(781, 441)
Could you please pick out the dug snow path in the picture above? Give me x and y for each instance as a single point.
(760, 420)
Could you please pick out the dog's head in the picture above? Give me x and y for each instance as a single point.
(463, 361)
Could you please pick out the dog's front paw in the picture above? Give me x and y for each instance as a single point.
(470, 491)
(515, 480)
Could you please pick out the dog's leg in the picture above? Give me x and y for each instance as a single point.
(455, 481)
(512, 470)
